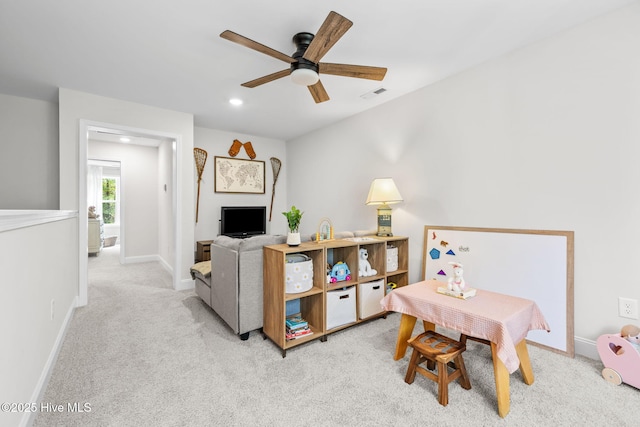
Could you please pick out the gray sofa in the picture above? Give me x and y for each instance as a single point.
(233, 289)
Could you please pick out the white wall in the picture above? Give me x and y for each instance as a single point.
(546, 137)
(139, 190)
(217, 143)
(165, 196)
(38, 273)
(76, 106)
(29, 160)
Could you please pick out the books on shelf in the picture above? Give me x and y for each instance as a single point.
(467, 293)
(296, 322)
(298, 334)
(296, 327)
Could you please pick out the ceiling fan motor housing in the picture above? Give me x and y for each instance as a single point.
(302, 41)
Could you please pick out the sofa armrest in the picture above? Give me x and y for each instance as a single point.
(224, 284)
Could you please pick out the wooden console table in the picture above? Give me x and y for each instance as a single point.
(501, 320)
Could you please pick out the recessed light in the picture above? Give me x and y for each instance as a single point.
(125, 139)
(235, 101)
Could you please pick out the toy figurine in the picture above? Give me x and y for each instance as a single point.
(456, 283)
(92, 212)
(364, 267)
(632, 334)
(340, 272)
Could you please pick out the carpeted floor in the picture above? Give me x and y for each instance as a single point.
(141, 354)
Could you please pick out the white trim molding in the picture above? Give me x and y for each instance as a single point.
(14, 219)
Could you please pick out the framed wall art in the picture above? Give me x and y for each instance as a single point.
(238, 175)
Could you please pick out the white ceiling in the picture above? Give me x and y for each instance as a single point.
(169, 54)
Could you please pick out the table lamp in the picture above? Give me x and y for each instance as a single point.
(384, 192)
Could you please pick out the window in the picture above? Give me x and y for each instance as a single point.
(110, 200)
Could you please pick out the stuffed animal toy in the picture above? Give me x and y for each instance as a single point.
(364, 266)
(92, 212)
(632, 334)
(456, 283)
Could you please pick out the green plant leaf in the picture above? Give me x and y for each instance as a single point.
(294, 215)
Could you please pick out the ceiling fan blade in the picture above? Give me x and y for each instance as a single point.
(346, 70)
(268, 78)
(242, 40)
(329, 33)
(318, 92)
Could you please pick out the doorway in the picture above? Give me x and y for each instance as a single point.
(168, 252)
(105, 196)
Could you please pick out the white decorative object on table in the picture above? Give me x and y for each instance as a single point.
(364, 267)
(456, 283)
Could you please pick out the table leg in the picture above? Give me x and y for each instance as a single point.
(525, 363)
(428, 326)
(502, 382)
(407, 323)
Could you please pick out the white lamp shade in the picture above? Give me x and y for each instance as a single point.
(304, 77)
(383, 190)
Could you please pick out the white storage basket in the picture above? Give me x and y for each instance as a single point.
(341, 307)
(299, 269)
(369, 299)
(392, 259)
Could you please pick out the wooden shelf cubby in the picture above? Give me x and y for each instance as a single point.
(314, 302)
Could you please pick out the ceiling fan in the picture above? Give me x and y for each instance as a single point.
(305, 62)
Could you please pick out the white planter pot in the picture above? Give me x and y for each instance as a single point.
(293, 239)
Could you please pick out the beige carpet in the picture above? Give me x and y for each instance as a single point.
(141, 354)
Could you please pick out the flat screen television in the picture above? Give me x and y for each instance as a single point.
(243, 221)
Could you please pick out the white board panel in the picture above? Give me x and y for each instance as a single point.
(532, 264)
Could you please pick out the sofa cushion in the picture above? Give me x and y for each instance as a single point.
(258, 242)
(250, 243)
(228, 242)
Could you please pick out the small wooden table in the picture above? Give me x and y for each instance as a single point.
(501, 320)
(203, 250)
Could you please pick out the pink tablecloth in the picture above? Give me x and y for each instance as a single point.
(502, 319)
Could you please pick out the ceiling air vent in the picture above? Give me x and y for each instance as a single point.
(371, 94)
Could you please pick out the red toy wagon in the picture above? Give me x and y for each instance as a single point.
(620, 358)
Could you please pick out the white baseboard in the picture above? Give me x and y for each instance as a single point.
(144, 258)
(29, 417)
(586, 348)
(165, 265)
(186, 284)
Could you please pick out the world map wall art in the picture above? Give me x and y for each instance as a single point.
(239, 176)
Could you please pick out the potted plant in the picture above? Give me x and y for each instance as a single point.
(294, 215)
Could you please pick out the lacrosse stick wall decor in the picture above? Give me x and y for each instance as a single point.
(276, 164)
(201, 158)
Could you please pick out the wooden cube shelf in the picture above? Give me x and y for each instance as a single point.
(313, 302)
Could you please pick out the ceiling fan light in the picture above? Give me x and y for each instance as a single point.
(304, 77)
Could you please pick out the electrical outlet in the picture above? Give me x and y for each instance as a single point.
(628, 308)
